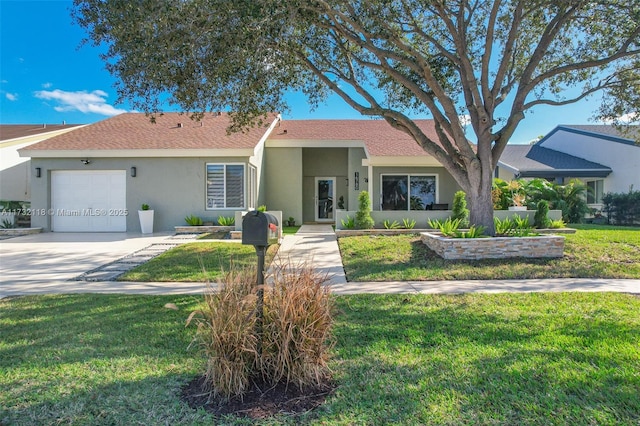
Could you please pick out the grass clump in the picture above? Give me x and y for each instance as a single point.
(290, 347)
(298, 323)
(226, 334)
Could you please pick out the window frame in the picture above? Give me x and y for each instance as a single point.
(224, 174)
(595, 197)
(252, 188)
(435, 176)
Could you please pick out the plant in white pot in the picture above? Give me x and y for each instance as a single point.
(146, 219)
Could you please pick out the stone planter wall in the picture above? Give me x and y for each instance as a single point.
(542, 246)
(18, 232)
(202, 229)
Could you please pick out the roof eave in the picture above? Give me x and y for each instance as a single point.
(136, 153)
(566, 173)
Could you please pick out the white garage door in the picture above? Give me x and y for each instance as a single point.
(88, 201)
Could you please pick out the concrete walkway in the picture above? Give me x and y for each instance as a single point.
(313, 244)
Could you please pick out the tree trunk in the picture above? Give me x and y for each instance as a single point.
(479, 198)
(481, 210)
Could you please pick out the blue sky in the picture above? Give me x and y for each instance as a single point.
(46, 77)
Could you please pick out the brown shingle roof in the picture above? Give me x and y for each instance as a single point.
(13, 131)
(379, 137)
(135, 131)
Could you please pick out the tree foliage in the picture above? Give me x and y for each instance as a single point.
(456, 61)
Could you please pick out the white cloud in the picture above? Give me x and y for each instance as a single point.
(626, 118)
(465, 119)
(86, 102)
(11, 96)
(46, 85)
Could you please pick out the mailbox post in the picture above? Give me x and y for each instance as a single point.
(260, 230)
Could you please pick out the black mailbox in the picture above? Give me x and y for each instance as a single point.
(259, 229)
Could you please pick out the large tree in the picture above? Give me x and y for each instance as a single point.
(462, 63)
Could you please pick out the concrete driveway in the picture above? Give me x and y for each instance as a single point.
(53, 257)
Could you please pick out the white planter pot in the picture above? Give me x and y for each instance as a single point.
(146, 221)
(518, 208)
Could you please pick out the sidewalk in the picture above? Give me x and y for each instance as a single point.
(317, 245)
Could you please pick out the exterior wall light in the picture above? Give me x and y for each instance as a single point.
(133, 172)
(38, 172)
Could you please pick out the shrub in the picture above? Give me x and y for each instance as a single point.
(573, 201)
(193, 220)
(622, 209)
(541, 220)
(391, 225)
(557, 224)
(472, 232)
(408, 223)
(348, 223)
(363, 215)
(459, 209)
(504, 227)
(512, 227)
(226, 221)
(449, 227)
(7, 224)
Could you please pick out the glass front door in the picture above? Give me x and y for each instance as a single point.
(325, 194)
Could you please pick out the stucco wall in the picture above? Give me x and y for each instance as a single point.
(356, 155)
(323, 162)
(283, 181)
(623, 159)
(173, 187)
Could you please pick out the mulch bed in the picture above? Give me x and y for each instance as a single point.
(261, 402)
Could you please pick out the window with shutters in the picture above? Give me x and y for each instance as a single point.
(225, 186)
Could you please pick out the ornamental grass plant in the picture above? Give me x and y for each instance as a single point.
(293, 345)
(226, 333)
(297, 328)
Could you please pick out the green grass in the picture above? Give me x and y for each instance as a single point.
(592, 252)
(534, 359)
(195, 262)
(289, 230)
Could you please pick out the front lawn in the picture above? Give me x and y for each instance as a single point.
(535, 359)
(195, 262)
(592, 252)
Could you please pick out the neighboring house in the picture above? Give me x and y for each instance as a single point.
(15, 172)
(304, 168)
(599, 155)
